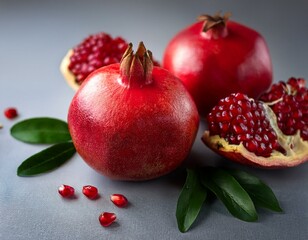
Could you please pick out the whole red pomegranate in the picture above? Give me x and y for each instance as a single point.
(133, 120)
(272, 133)
(215, 57)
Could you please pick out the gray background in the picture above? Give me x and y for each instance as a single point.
(35, 35)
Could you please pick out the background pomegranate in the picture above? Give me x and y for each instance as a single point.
(270, 134)
(133, 121)
(215, 57)
(95, 51)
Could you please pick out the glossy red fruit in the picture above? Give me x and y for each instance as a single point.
(215, 57)
(107, 218)
(119, 200)
(66, 191)
(90, 192)
(11, 113)
(271, 134)
(133, 121)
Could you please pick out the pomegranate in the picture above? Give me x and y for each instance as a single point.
(272, 133)
(215, 57)
(133, 120)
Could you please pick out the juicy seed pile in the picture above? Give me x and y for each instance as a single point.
(94, 52)
(290, 104)
(239, 119)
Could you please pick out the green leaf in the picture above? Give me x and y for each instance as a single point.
(260, 193)
(41, 130)
(190, 201)
(46, 160)
(230, 192)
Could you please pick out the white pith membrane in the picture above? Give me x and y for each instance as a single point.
(68, 75)
(296, 149)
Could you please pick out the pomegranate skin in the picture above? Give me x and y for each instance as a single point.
(132, 132)
(223, 60)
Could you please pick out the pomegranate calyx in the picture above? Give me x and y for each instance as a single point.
(216, 23)
(136, 69)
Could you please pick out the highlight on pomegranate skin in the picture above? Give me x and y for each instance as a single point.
(270, 132)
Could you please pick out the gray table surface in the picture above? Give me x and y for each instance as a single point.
(35, 35)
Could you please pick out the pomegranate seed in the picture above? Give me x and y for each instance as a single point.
(66, 191)
(119, 200)
(107, 218)
(90, 191)
(10, 113)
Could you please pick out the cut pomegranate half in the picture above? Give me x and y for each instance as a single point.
(272, 133)
(93, 52)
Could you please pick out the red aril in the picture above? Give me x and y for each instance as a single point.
(10, 113)
(270, 134)
(215, 57)
(133, 121)
(119, 200)
(66, 191)
(107, 218)
(289, 101)
(90, 192)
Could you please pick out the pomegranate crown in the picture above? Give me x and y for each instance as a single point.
(136, 68)
(212, 21)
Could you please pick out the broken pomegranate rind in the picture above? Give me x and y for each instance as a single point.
(68, 75)
(240, 154)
